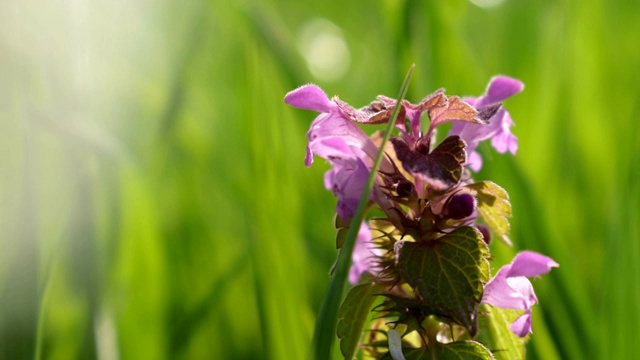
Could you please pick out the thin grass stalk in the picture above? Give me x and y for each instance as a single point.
(324, 333)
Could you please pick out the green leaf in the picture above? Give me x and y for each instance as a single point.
(352, 316)
(448, 273)
(495, 333)
(468, 350)
(441, 168)
(494, 207)
(400, 310)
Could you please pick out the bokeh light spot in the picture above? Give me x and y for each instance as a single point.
(323, 46)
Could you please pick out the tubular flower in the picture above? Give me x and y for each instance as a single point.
(498, 130)
(510, 288)
(331, 123)
(334, 137)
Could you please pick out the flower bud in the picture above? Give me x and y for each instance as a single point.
(405, 188)
(459, 206)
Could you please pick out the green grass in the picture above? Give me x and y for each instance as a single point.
(153, 197)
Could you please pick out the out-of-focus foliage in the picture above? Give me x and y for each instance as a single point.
(153, 198)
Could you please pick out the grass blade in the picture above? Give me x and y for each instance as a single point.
(325, 329)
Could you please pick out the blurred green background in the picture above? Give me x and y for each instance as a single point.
(154, 203)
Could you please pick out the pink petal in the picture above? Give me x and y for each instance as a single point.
(346, 208)
(347, 180)
(329, 177)
(500, 88)
(523, 290)
(308, 159)
(500, 142)
(457, 128)
(334, 124)
(309, 97)
(509, 293)
(522, 325)
(362, 254)
(470, 100)
(475, 161)
(330, 148)
(513, 144)
(529, 264)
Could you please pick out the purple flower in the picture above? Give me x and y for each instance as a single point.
(499, 127)
(334, 137)
(510, 288)
(331, 123)
(459, 206)
(364, 255)
(347, 179)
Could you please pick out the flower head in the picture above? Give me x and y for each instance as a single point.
(427, 208)
(510, 288)
(499, 128)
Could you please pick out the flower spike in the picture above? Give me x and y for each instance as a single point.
(426, 250)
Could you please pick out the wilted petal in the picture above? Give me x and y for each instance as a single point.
(350, 112)
(454, 110)
(522, 325)
(309, 97)
(530, 264)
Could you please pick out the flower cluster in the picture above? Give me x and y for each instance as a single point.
(427, 253)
